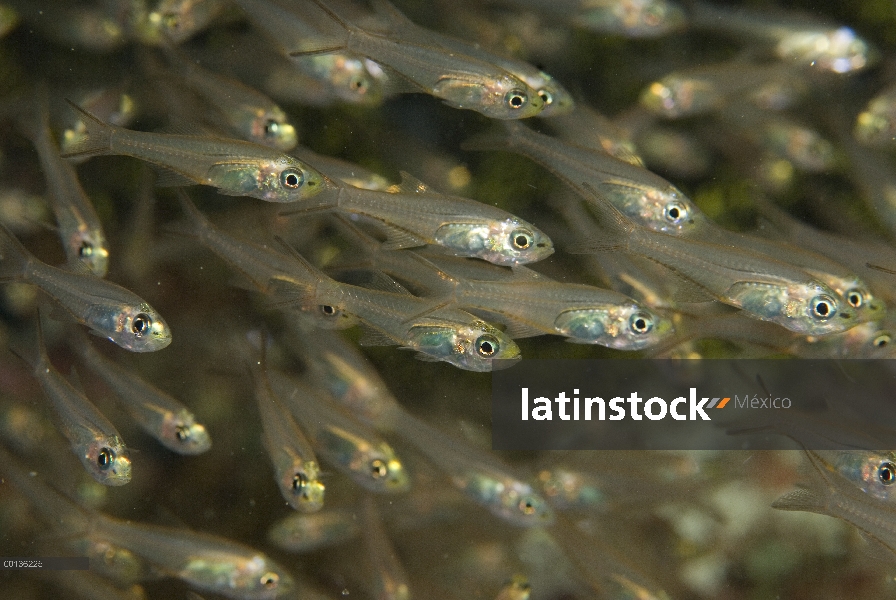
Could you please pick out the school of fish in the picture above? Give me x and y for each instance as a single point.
(257, 202)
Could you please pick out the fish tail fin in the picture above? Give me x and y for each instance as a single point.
(99, 135)
(308, 287)
(14, 257)
(503, 136)
(803, 499)
(327, 46)
(616, 228)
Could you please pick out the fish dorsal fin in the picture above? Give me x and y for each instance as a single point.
(374, 337)
(398, 238)
(411, 185)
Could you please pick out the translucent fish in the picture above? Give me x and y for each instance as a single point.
(876, 125)
(794, 37)
(767, 289)
(93, 439)
(302, 533)
(414, 215)
(388, 579)
(629, 18)
(343, 75)
(349, 376)
(245, 111)
(567, 489)
(483, 478)
(109, 310)
(460, 80)
(74, 24)
(79, 226)
(293, 458)
(872, 472)
(157, 413)
(235, 167)
(828, 492)
(179, 20)
(348, 445)
(644, 197)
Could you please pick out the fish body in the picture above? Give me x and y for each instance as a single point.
(105, 308)
(765, 288)
(247, 112)
(644, 197)
(235, 167)
(291, 453)
(156, 412)
(482, 478)
(628, 18)
(460, 80)
(341, 441)
(93, 438)
(388, 580)
(308, 532)
(414, 215)
(79, 226)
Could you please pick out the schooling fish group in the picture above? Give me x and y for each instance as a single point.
(584, 239)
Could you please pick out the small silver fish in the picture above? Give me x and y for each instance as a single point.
(235, 167)
(348, 445)
(460, 80)
(93, 439)
(107, 309)
(303, 533)
(414, 215)
(156, 412)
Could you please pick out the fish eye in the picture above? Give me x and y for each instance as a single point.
(823, 307)
(269, 581)
(886, 473)
(528, 505)
(881, 341)
(378, 468)
(641, 322)
(487, 346)
(516, 99)
(359, 84)
(292, 178)
(299, 481)
(141, 324)
(105, 458)
(546, 96)
(86, 250)
(182, 432)
(855, 298)
(271, 127)
(522, 239)
(327, 310)
(675, 212)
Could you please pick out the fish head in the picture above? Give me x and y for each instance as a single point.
(500, 97)
(257, 577)
(184, 435)
(271, 128)
(810, 308)
(666, 211)
(284, 179)
(107, 461)
(557, 99)
(89, 248)
(873, 472)
(624, 327)
(855, 293)
(141, 329)
(306, 492)
(385, 470)
(677, 96)
(633, 18)
(354, 79)
(475, 346)
(509, 242)
(521, 504)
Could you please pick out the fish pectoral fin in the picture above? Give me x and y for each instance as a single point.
(398, 238)
(168, 178)
(374, 337)
(803, 499)
(422, 357)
